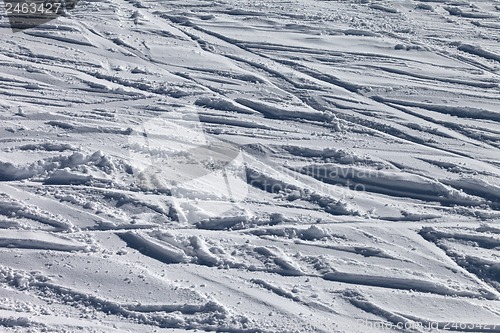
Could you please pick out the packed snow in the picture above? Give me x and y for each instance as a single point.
(251, 166)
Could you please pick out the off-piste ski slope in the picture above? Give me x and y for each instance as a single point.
(252, 166)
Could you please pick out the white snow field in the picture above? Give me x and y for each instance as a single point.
(252, 166)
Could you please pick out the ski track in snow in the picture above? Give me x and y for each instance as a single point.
(369, 132)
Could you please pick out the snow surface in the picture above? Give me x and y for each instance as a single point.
(252, 166)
